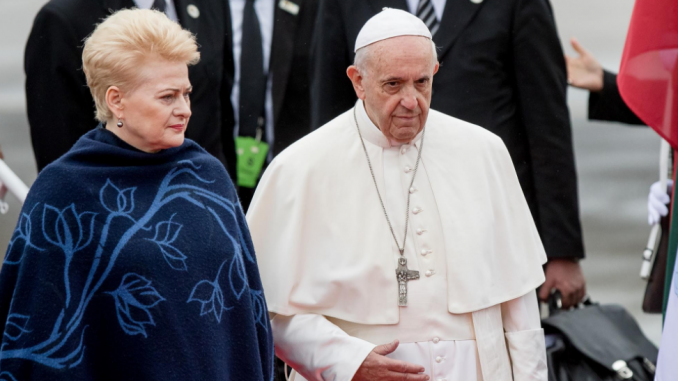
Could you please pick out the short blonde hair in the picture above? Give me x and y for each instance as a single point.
(122, 42)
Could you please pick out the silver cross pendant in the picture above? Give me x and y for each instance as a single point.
(404, 275)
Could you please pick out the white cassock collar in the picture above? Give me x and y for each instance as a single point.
(372, 133)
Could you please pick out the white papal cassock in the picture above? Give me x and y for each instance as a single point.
(327, 258)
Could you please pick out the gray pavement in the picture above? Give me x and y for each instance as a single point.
(616, 163)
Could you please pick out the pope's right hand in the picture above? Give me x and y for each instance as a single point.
(378, 367)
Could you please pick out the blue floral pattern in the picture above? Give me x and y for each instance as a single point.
(21, 239)
(16, 326)
(133, 299)
(210, 296)
(166, 232)
(71, 230)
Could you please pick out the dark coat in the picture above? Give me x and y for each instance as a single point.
(59, 103)
(289, 66)
(501, 67)
(608, 104)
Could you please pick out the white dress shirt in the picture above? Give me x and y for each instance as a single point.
(170, 11)
(443, 343)
(265, 10)
(438, 7)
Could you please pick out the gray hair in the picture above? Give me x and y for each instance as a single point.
(362, 55)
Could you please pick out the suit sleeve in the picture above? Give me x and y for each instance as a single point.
(541, 83)
(331, 90)
(58, 102)
(608, 104)
(227, 112)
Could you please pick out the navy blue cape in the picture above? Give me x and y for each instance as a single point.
(127, 265)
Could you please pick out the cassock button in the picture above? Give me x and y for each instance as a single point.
(412, 190)
(436, 340)
(425, 252)
(408, 169)
(416, 210)
(420, 231)
(439, 359)
(403, 150)
(429, 272)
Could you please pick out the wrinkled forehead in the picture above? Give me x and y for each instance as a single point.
(401, 52)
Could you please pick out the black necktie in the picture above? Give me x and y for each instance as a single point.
(252, 76)
(160, 5)
(427, 14)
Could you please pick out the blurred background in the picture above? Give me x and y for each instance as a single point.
(616, 163)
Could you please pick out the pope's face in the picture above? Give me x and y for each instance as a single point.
(395, 85)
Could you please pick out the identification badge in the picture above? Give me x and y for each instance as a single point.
(289, 7)
(251, 155)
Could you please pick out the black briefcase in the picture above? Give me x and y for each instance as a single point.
(597, 343)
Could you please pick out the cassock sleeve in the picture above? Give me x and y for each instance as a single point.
(58, 102)
(316, 348)
(525, 338)
(541, 83)
(608, 104)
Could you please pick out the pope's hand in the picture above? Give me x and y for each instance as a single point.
(378, 367)
(657, 201)
(566, 276)
(584, 71)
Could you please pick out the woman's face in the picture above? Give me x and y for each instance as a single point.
(156, 111)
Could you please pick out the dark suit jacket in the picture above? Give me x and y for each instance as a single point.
(608, 104)
(59, 104)
(502, 68)
(289, 66)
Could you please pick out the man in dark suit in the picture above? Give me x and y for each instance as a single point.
(59, 104)
(605, 101)
(61, 109)
(501, 67)
(276, 78)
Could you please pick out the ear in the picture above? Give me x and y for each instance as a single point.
(114, 101)
(435, 69)
(357, 80)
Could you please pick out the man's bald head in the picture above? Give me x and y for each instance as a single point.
(393, 77)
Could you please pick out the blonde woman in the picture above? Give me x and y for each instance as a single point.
(132, 259)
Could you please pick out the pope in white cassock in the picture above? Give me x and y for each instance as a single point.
(395, 243)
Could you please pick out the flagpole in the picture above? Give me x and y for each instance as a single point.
(648, 253)
(10, 181)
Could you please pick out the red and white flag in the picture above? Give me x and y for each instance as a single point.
(648, 82)
(648, 77)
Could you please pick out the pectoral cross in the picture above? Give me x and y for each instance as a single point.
(404, 275)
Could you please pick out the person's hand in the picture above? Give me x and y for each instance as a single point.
(566, 276)
(1, 157)
(657, 201)
(378, 367)
(584, 71)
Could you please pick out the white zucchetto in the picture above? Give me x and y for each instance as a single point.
(390, 23)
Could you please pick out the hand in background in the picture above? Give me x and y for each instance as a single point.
(657, 201)
(566, 276)
(584, 72)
